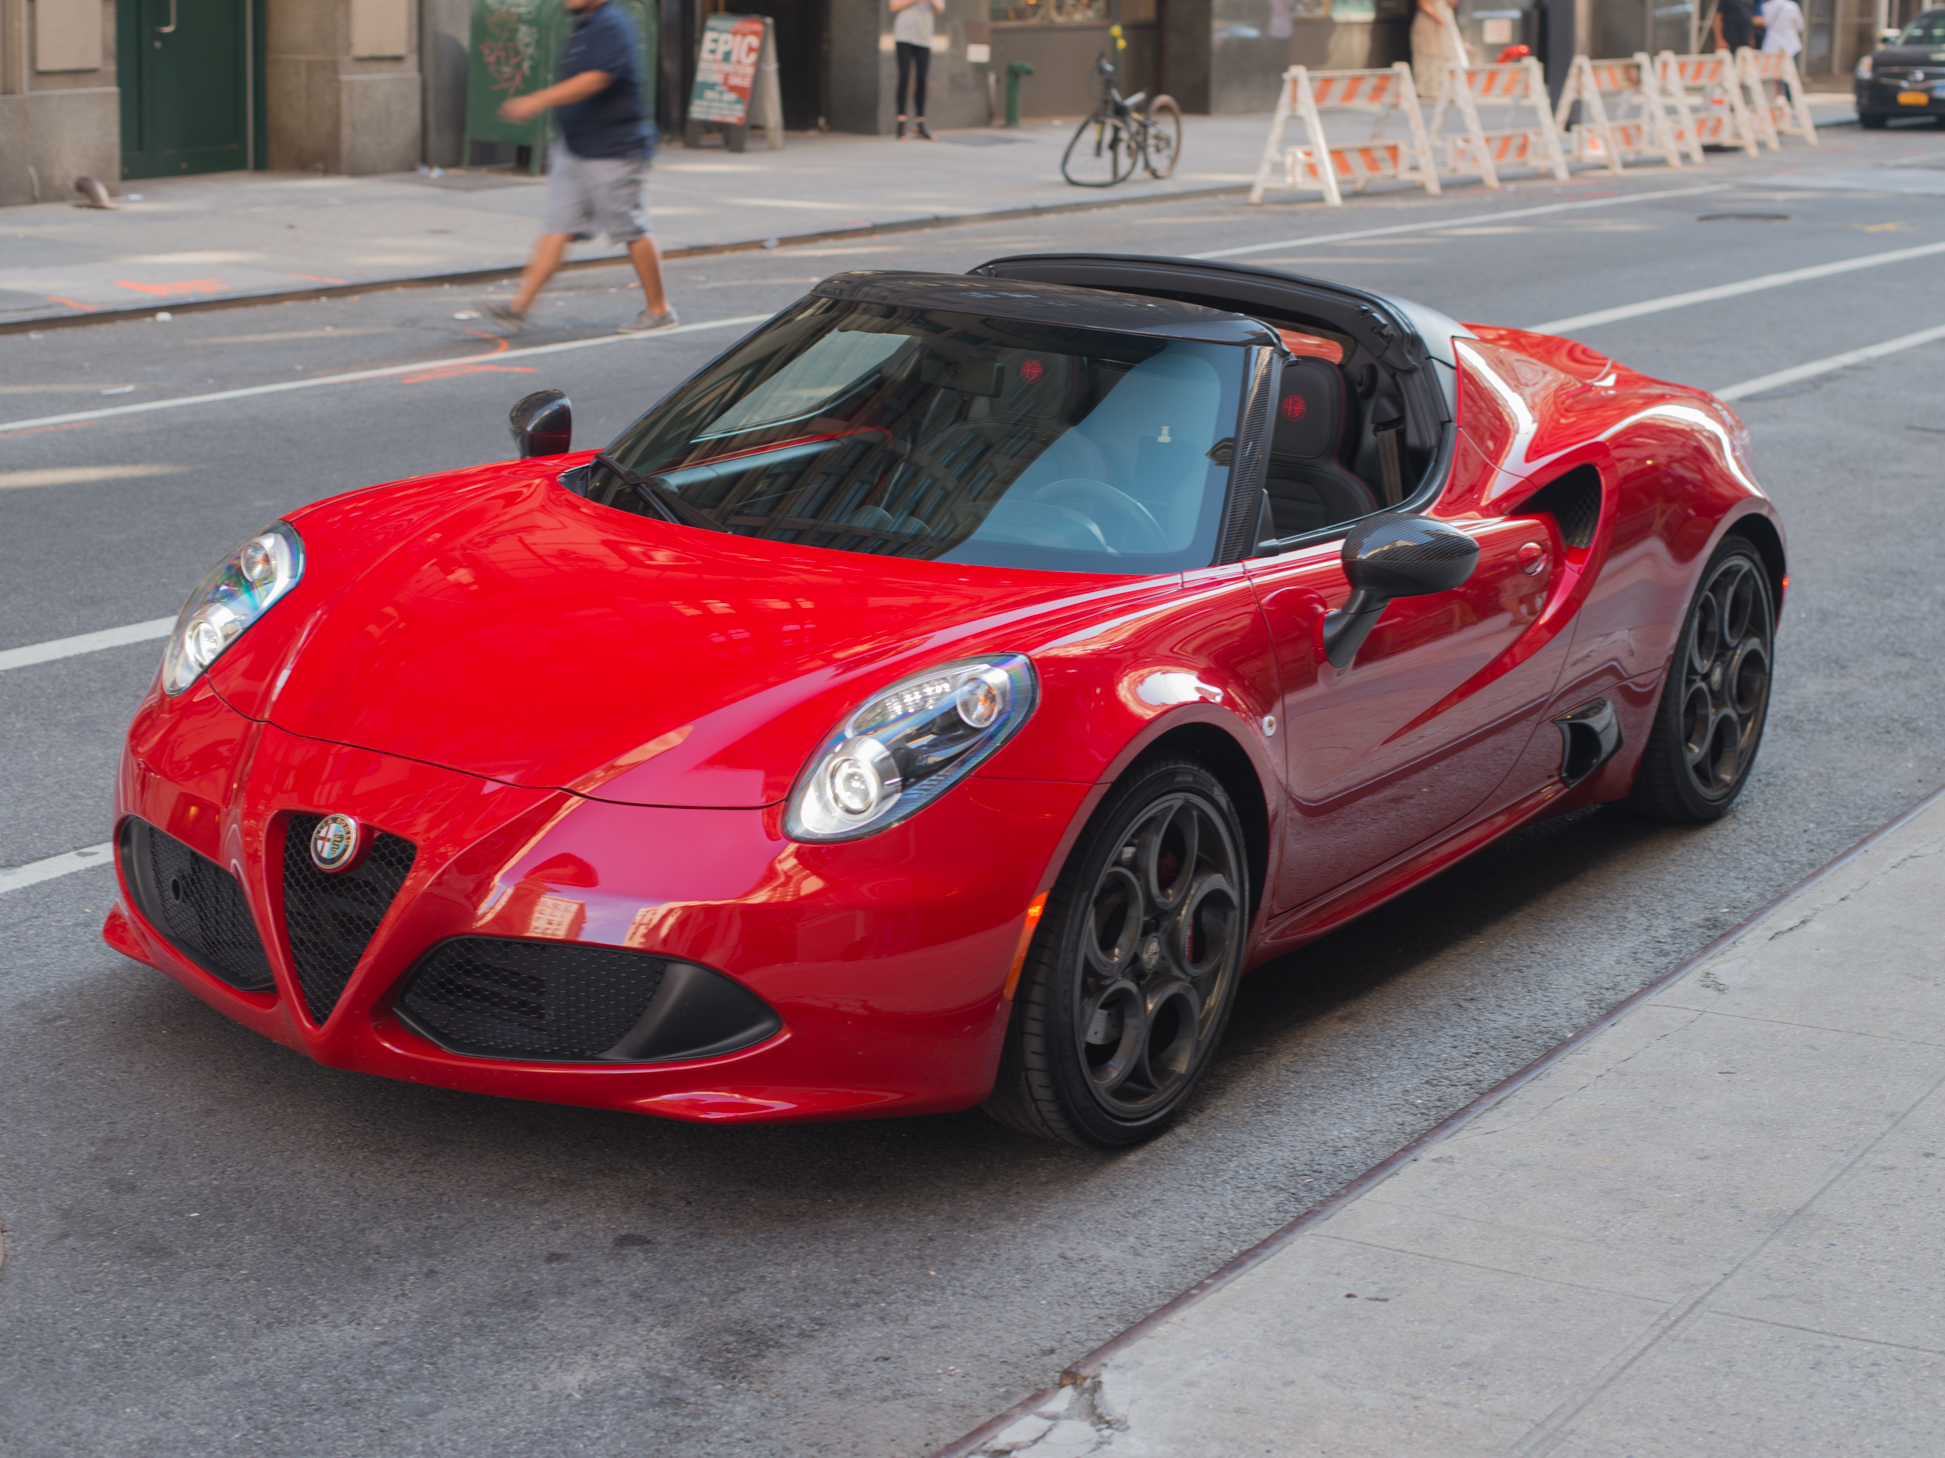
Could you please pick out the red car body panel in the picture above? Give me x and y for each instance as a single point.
(558, 703)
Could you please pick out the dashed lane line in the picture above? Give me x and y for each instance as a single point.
(1830, 364)
(35, 872)
(1734, 290)
(1320, 239)
(500, 357)
(85, 643)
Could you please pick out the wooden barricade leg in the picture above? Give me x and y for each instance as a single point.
(1661, 126)
(1425, 158)
(1273, 144)
(1755, 94)
(1674, 91)
(1536, 98)
(1594, 120)
(1806, 125)
(1313, 125)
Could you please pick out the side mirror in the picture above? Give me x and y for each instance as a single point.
(1392, 555)
(542, 423)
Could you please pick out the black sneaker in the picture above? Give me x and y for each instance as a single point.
(501, 312)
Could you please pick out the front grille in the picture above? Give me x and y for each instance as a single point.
(510, 999)
(331, 916)
(196, 904)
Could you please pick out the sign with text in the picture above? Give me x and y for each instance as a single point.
(726, 68)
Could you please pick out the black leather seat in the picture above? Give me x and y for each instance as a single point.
(1308, 486)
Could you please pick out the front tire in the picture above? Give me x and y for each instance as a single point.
(1132, 973)
(1715, 702)
(1100, 153)
(1164, 136)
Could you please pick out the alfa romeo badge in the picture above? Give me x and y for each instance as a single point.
(336, 842)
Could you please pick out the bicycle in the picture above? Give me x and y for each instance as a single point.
(1120, 133)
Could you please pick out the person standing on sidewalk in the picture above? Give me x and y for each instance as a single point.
(594, 170)
(1735, 24)
(911, 28)
(1783, 31)
(1431, 47)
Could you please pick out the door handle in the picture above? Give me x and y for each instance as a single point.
(165, 29)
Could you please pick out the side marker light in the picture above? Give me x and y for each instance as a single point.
(1026, 940)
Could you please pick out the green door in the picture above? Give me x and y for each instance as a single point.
(184, 71)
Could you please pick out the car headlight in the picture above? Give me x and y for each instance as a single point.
(906, 745)
(1864, 69)
(236, 593)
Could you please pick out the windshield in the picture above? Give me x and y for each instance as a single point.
(1927, 30)
(948, 437)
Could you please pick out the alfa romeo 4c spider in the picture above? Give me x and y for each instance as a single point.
(942, 698)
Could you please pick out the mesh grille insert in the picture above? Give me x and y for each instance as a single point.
(197, 905)
(1574, 501)
(506, 998)
(330, 917)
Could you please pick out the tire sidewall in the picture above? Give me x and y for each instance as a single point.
(1699, 805)
(1102, 840)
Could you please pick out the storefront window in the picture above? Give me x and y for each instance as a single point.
(1052, 12)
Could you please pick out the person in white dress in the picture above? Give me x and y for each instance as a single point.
(1783, 31)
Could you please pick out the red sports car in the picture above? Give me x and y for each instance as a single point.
(942, 698)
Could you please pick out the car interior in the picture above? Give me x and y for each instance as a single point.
(1360, 412)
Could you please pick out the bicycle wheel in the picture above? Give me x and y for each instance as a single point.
(1100, 154)
(1164, 136)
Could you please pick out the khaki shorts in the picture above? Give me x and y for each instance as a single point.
(586, 195)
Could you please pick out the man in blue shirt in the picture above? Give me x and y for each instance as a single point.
(595, 169)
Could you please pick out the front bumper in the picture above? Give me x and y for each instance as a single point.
(1883, 97)
(884, 959)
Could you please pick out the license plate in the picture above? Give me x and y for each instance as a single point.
(1914, 98)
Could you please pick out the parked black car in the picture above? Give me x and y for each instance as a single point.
(1907, 77)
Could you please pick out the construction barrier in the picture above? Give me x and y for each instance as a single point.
(1640, 122)
(1783, 117)
(1707, 92)
(1321, 164)
(1518, 84)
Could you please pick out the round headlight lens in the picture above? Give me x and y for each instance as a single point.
(908, 744)
(226, 602)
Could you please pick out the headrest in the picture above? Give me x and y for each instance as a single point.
(1309, 411)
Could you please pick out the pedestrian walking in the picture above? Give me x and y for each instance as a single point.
(1783, 31)
(911, 29)
(1431, 47)
(595, 169)
(1735, 24)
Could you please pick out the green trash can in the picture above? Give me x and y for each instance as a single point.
(515, 48)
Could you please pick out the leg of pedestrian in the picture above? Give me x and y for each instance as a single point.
(658, 313)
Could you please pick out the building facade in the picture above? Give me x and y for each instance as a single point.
(128, 89)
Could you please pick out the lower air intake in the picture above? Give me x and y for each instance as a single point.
(563, 1002)
(196, 904)
(331, 916)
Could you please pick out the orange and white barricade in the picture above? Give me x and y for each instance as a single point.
(1707, 92)
(1518, 84)
(1784, 118)
(1325, 165)
(1639, 123)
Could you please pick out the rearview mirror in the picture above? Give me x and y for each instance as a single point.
(542, 423)
(1393, 555)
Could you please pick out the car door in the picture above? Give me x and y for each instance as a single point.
(1429, 717)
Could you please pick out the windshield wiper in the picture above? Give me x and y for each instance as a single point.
(667, 505)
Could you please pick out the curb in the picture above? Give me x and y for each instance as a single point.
(42, 323)
(1091, 1365)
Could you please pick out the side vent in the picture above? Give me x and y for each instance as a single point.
(1574, 501)
(1591, 735)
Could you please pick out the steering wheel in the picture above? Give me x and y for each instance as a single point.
(1131, 527)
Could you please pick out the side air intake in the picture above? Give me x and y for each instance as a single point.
(1574, 501)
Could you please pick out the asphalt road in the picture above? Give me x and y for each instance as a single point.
(215, 1247)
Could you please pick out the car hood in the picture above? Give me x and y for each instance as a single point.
(494, 623)
(1908, 56)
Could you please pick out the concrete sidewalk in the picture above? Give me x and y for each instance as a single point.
(1711, 1224)
(177, 241)
(181, 239)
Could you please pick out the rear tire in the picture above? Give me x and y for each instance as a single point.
(1164, 136)
(1715, 702)
(1132, 973)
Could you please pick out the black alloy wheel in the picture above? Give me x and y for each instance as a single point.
(1134, 967)
(1713, 706)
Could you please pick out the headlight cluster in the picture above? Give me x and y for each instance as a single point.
(908, 744)
(234, 595)
(1864, 69)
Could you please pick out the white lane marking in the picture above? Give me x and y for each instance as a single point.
(457, 365)
(34, 872)
(79, 475)
(1732, 290)
(1468, 220)
(1830, 363)
(85, 643)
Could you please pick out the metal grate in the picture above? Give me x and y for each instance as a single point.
(330, 917)
(197, 905)
(1574, 501)
(505, 998)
